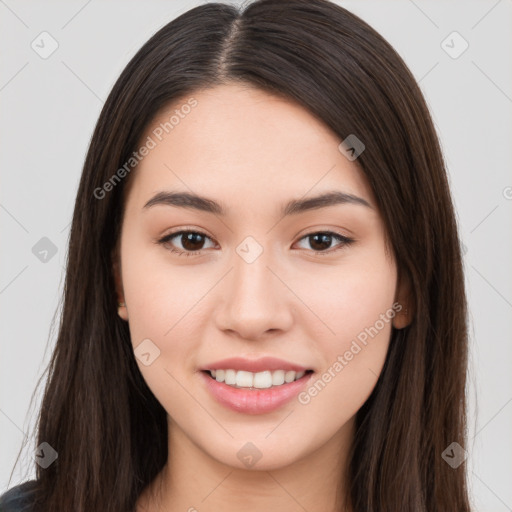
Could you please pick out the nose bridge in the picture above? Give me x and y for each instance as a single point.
(255, 300)
(252, 280)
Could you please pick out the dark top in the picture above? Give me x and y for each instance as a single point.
(18, 498)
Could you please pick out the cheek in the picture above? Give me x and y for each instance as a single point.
(163, 307)
(357, 305)
(164, 303)
(352, 296)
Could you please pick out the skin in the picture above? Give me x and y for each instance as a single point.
(253, 152)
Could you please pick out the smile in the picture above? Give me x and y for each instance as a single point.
(260, 380)
(250, 399)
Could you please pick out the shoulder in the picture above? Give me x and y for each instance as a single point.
(18, 498)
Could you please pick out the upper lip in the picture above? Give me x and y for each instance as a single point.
(254, 365)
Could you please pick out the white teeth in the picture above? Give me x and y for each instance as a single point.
(289, 376)
(230, 377)
(244, 379)
(260, 380)
(277, 377)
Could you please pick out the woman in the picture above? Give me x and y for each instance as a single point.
(264, 303)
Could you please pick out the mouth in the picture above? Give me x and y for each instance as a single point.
(254, 393)
(266, 379)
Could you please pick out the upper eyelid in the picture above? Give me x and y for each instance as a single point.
(181, 231)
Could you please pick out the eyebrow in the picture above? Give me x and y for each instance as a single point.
(293, 207)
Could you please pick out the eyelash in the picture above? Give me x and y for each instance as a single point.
(345, 241)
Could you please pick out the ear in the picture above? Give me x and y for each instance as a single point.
(404, 297)
(119, 292)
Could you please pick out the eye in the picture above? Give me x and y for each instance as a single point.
(322, 240)
(192, 242)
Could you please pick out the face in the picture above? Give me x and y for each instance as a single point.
(309, 287)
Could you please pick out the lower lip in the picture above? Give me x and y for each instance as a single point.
(254, 401)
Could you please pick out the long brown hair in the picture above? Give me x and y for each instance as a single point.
(97, 412)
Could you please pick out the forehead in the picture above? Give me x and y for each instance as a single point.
(241, 143)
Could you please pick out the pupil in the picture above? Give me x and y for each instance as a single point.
(188, 240)
(324, 239)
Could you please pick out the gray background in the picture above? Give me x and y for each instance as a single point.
(48, 111)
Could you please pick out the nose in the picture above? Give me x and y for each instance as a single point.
(255, 301)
